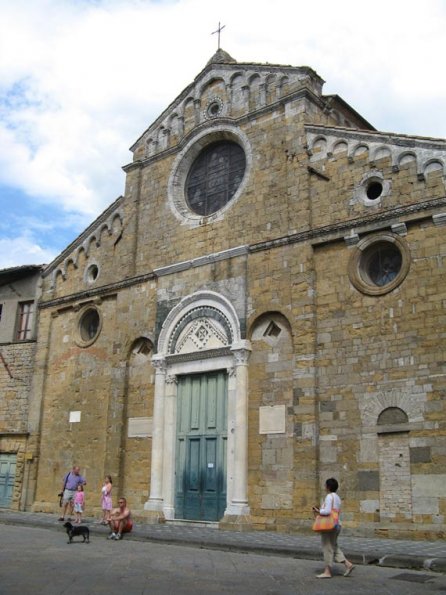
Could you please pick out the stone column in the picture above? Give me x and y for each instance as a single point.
(239, 501)
(155, 501)
(197, 111)
(170, 395)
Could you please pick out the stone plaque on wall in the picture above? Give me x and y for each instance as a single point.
(272, 419)
(139, 427)
(75, 417)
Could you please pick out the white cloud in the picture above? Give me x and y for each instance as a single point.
(23, 250)
(80, 80)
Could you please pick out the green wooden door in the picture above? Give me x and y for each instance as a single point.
(7, 478)
(200, 486)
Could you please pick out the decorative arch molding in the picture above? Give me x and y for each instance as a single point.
(433, 165)
(268, 325)
(371, 405)
(111, 226)
(203, 311)
(142, 345)
(199, 304)
(251, 79)
(428, 156)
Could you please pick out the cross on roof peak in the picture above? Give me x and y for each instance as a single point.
(219, 30)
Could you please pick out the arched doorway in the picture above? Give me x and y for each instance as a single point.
(199, 444)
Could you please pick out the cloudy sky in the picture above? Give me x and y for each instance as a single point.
(80, 80)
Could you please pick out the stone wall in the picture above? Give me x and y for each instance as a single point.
(16, 370)
(330, 350)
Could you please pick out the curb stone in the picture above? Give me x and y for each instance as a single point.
(303, 548)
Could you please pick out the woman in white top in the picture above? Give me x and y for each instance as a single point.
(330, 549)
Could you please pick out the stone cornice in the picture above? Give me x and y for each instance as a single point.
(98, 291)
(402, 140)
(360, 225)
(317, 236)
(195, 355)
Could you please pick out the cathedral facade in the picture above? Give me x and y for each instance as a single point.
(263, 308)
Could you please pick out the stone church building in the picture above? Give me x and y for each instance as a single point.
(263, 308)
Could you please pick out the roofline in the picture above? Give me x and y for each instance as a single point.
(24, 267)
(438, 142)
(217, 66)
(338, 99)
(83, 235)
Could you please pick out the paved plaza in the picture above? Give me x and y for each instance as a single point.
(38, 560)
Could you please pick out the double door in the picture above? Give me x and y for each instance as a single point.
(200, 486)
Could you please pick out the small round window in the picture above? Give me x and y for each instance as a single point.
(89, 326)
(214, 177)
(92, 273)
(374, 189)
(379, 264)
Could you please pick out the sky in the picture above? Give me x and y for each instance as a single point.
(80, 80)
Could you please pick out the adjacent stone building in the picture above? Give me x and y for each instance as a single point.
(19, 292)
(262, 309)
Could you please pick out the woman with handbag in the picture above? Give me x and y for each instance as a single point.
(327, 523)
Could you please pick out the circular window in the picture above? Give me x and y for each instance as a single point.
(379, 264)
(209, 174)
(89, 326)
(371, 190)
(374, 190)
(214, 109)
(214, 177)
(92, 273)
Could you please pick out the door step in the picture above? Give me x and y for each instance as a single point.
(189, 523)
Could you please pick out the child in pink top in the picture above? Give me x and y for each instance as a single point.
(106, 500)
(79, 501)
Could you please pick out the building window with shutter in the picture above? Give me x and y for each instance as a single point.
(25, 321)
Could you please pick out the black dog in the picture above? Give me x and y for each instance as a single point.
(72, 531)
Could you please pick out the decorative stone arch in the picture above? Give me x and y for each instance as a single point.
(406, 157)
(433, 165)
(360, 149)
(320, 145)
(381, 152)
(200, 334)
(340, 147)
(269, 327)
(239, 75)
(373, 404)
(203, 303)
(282, 87)
(143, 345)
(209, 83)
